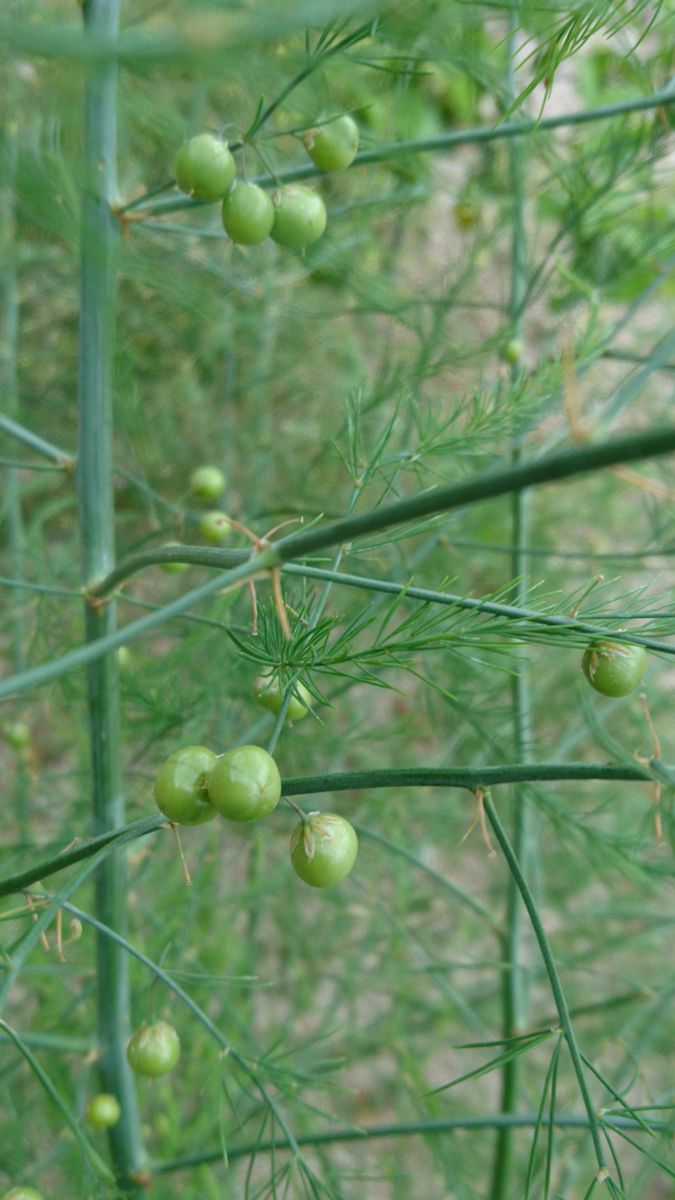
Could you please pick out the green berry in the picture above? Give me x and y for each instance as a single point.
(207, 483)
(248, 213)
(214, 527)
(299, 216)
(270, 695)
(153, 1050)
(245, 784)
(204, 167)
(16, 734)
(614, 668)
(103, 1111)
(124, 659)
(513, 352)
(333, 146)
(323, 849)
(181, 786)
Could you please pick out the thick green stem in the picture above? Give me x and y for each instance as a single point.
(513, 986)
(552, 468)
(9, 304)
(553, 977)
(221, 559)
(469, 778)
(94, 478)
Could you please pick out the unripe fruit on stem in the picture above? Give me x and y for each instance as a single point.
(248, 213)
(214, 527)
(245, 784)
(513, 352)
(614, 668)
(181, 786)
(323, 849)
(299, 216)
(207, 483)
(153, 1050)
(204, 167)
(16, 734)
(270, 695)
(124, 659)
(333, 146)
(103, 1111)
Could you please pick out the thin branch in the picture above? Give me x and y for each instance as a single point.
(468, 778)
(405, 1129)
(46, 449)
(439, 143)
(553, 978)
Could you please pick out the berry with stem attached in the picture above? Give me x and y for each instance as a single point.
(333, 146)
(614, 668)
(324, 847)
(245, 784)
(181, 786)
(214, 527)
(153, 1050)
(299, 216)
(247, 213)
(204, 167)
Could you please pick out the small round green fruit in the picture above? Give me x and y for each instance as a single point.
(181, 786)
(153, 1050)
(270, 695)
(207, 483)
(22, 1193)
(513, 352)
(245, 784)
(323, 849)
(124, 659)
(333, 146)
(299, 216)
(614, 668)
(248, 213)
(204, 167)
(214, 527)
(16, 734)
(103, 1111)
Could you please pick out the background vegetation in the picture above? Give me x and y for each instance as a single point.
(321, 1031)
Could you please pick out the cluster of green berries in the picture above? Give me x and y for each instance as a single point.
(195, 785)
(207, 484)
(614, 668)
(153, 1050)
(293, 215)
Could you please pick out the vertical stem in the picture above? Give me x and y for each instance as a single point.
(94, 478)
(9, 304)
(554, 980)
(514, 998)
